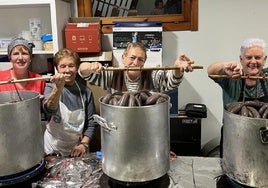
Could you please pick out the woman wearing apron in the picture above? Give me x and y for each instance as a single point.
(69, 106)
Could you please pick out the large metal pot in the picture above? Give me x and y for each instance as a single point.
(21, 137)
(135, 141)
(245, 149)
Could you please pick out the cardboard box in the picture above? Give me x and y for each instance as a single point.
(83, 37)
(98, 92)
(104, 56)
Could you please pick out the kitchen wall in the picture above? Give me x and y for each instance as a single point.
(223, 25)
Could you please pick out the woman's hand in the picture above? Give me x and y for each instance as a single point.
(79, 150)
(87, 68)
(233, 69)
(184, 64)
(59, 80)
(95, 67)
(54, 97)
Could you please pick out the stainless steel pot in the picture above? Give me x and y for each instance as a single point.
(245, 149)
(21, 136)
(135, 141)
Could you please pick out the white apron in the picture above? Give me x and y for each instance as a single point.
(64, 129)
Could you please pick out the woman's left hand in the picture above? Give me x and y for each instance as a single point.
(184, 64)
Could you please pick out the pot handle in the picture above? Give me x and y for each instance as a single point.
(264, 135)
(102, 122)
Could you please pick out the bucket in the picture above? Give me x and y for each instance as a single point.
(245, 149)
(21, 136)
(135, 141)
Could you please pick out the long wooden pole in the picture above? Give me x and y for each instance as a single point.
(144, 68)
(25, 80)
(104, 69)
(243, 77)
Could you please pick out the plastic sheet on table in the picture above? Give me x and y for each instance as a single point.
(72, 173)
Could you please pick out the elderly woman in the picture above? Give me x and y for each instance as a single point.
(69, 106)
(252, 61)
(135, 56)
(20, 55)
(133, 81)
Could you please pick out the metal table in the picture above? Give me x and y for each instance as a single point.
(185, 172)
(192, 172)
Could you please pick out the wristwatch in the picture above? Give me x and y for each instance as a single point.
(85, 144)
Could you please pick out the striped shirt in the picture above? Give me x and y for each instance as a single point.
(162, 81)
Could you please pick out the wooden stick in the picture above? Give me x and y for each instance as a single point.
(243, 77)
(144, 68)
(25, 80)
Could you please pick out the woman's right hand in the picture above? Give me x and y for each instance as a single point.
(96, 67)
(87, 68)
(58, 80)
(233, 69)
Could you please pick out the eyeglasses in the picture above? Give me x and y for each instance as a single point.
(139, 59)
(257, 57)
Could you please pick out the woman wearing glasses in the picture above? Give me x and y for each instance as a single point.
(132, 81)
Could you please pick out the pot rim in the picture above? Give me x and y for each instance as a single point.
(134, 107)
(35, 95)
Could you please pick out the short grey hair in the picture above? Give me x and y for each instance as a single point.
(251, 42)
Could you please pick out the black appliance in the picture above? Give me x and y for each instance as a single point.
(162, 182)
(185, 136)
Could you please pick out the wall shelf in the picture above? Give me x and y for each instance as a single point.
(53, 14)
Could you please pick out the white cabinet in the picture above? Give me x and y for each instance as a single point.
(53, 14)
